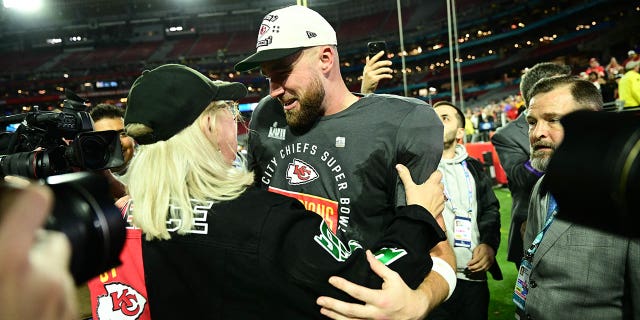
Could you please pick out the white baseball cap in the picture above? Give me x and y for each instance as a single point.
(286, 31)
(631, 52)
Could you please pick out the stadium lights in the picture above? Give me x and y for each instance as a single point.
(23, 5)
(54, 41)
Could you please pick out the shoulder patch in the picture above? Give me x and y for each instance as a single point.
(389, 255)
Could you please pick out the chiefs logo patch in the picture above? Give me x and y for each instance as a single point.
(299, 172)
(120, 302)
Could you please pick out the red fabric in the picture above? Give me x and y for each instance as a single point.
(121, 292)
(476, 150)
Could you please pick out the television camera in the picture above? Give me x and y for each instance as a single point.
(40, 145)
(52, 145)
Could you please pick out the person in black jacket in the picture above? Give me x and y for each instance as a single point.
(213, 246)
(512, 145)
(472, 219)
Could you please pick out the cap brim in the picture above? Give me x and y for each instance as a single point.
(229, 90)
(254, 60)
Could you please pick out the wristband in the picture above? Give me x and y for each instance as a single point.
(444, 269)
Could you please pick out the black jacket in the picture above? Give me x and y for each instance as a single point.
(488, 211)
(512, 145)
(262, 258)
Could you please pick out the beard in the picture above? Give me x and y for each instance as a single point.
(540, 158)
(449, 139)
(310, 101)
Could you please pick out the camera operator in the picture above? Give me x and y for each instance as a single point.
(110, 117)
(35, 282)
(63, 141)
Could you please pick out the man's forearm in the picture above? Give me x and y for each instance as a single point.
(435, 288)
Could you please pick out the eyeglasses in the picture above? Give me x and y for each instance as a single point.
(230, 105)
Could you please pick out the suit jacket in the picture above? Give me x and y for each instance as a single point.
(512, 145)
(580, 272)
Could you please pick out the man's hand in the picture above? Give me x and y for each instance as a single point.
(483, 258)
(374, 71)
(429, 195)
(35, 282)
(394, 301)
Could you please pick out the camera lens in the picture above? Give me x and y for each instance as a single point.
(34, 164)
(94, 151)
(596, 169)
(85, 213)
(97, 150)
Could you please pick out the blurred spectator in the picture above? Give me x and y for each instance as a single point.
(609, 88)
(519, 103)
(629, 85)
(595, 78)
(511, 110)
(614, 67)
(486, 124)
(469, 129)
(631, 56)
(594, 65)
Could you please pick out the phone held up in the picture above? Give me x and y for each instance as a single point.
(375, 47)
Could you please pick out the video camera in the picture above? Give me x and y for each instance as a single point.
(594, 174)
(37, 149)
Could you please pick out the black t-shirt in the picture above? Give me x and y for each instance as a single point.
(343, 168)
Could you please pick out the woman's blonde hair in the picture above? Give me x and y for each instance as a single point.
(169, 174)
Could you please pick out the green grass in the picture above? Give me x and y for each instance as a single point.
(501, 306)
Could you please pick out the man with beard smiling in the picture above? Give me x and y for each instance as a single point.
(335, 151)
(569, 271)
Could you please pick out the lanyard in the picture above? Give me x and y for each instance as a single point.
(551, 214)
(467, 177)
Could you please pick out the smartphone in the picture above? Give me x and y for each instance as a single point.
(375, 47)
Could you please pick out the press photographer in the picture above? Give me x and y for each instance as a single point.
(39, 149)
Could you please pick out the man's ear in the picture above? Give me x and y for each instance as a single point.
(327, 57)
(460, 133)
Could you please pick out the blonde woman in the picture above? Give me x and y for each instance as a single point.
(213, 246)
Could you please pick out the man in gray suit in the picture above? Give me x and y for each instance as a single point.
(570, 271)
(512, 145)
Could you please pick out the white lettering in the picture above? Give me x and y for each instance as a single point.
(343, 222)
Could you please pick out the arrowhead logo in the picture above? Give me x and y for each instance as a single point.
(263, 29)
(311, 34)
(120, 302)
(299, 172)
